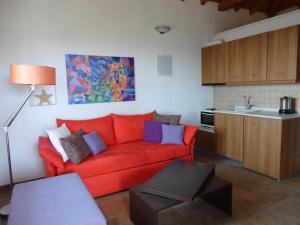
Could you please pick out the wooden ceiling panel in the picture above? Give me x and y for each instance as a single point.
(269, 7)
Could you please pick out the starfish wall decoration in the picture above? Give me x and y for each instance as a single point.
(44, 97)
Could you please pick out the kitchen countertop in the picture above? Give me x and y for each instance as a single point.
(268, 114)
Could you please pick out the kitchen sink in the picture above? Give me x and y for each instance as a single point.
(242, 109)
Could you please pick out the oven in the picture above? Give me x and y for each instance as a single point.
(207, 118)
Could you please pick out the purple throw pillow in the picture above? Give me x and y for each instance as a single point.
(172, 134)
(95, 142)
(152, 131)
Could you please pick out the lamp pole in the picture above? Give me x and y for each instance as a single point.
(5, 210)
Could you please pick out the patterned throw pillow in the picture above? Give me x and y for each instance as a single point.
(75, 147)
(168, 119)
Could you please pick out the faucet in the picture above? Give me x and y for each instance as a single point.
(247, 102)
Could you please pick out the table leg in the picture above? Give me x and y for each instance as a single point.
(221, 199)
(140, 212)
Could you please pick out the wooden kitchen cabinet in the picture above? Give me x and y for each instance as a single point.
(256, 48)
(235, 61)
(271, 146)
(267, 146)
(283, 58)
(270, 58)
(229, 135)
(213, 65)
(262, 145)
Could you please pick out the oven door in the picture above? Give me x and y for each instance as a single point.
(207, 119)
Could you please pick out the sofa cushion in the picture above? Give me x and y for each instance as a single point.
(172, 134)
(130, 127)
(102, 125)
(168, 119)
(75, 147)
(125, 156)
(55, 134)
(152, 131)
(95, 142)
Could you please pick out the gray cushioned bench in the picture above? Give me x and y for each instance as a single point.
(62, 200)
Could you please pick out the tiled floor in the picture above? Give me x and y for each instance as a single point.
(257, 200)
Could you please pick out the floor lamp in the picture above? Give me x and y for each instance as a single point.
(27, 75)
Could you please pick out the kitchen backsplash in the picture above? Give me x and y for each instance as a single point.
(264, 96)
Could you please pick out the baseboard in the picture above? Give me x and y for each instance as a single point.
(7, 186)
(4, 187)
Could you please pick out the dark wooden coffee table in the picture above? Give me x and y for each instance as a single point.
(175, 184)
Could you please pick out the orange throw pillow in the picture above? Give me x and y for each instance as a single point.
(130, 127)
(102, 125)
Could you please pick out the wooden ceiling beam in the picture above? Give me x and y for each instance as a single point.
(269, 7)
(275, 7)
(227, 4)
(244, 4)
(240, 5)
(297, 3)
(256, 6)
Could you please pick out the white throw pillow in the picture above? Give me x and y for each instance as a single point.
(55, 135)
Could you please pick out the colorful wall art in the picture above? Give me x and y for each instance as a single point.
(96, 79)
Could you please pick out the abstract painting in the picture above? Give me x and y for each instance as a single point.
(97, 79)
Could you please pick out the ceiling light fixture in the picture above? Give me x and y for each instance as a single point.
(162, 29)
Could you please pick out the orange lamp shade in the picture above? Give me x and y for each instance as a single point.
(31, 74)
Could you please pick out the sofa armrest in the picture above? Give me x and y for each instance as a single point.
(189, 134)
(51, 157)
(190, 137)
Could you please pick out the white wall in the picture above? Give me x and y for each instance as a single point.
(42, 31)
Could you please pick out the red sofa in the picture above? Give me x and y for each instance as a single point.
(127, 161)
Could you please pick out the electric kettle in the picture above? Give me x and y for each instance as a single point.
(287, 105)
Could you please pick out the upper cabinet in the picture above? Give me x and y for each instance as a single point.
(283, 54)
(256, 49)
(213, 65)
(235, 61)
(264, 58)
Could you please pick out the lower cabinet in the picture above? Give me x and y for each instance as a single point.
(205, 141)
(229, 135)
(272, 147)
(262, 145)
(267, 146)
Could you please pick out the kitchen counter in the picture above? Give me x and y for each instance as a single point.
(268, 114)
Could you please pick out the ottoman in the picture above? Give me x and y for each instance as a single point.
(62, 200)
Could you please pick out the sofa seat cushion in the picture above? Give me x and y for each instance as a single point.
(124, 156)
